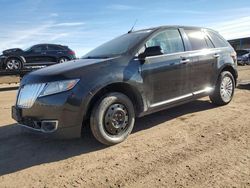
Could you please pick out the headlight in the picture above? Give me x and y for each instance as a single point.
(58, 86)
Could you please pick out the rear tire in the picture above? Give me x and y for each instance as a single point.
(63, 60)
(112, 118)
(224, 89)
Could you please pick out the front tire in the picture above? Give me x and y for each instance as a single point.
(13, 64)
(224, 89)
(112, 118)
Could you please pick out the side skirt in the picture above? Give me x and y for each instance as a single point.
(163, 105)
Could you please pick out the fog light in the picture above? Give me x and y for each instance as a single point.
(49, 126)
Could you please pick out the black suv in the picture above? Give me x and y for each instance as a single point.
(37, 55)
(136, 74)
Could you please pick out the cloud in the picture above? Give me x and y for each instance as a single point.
(168, 11)
(23, 37)
(234, 28)
(122, 7)
(54, 14)
(69, 24)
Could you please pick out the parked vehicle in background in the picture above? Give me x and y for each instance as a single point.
(133, 75)
(243, 57)
(37, 55)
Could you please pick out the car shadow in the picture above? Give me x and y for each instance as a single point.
(244, 86)
(20, 149)
(11, 88)
(157, 118)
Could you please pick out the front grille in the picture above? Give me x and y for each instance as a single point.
(28, 94)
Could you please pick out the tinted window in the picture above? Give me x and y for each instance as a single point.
(54, 48)
(197, 39)
(170, 41)
(217, 40)
(39, 48)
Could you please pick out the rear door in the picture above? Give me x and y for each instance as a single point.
(54, 52)
(203, 67)
(166, 76)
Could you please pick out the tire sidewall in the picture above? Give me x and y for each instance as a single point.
(98, 114)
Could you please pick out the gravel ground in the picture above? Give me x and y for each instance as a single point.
(193, 145)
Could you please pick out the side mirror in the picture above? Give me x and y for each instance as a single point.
(150, 51)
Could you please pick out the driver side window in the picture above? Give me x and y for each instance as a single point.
(169, 40)
(38, 49)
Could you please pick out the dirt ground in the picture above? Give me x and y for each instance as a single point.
(193, 145)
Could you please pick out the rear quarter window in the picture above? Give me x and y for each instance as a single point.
(54, 48)
(197, 39)
(217, 40)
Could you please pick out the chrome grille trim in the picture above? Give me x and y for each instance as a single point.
(28, 95)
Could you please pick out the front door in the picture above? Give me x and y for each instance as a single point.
(166, 77)
(36, 55)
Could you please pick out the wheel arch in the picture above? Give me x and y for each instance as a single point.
(14, 57)
(230, 69)
(127, 89)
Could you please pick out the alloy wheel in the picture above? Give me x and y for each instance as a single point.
(226, 89)
(13, 64)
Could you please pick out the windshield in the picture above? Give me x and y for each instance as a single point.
(27, 49)
(117, 46)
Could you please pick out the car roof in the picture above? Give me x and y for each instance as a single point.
(173, 26)
(50, 44)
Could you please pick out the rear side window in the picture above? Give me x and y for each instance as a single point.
(54, 48)
(197, 39)
(217, 40)
(169, 40)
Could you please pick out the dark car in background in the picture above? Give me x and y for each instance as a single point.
(136, 74)
(243, 57)
(37, 55)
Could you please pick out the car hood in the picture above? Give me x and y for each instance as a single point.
(68, 70)
(12, 51)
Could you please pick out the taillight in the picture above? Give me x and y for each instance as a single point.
(71, 52)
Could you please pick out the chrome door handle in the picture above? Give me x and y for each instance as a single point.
(184, 61)
(216, 55)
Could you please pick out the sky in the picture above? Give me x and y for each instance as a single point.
(83, 25)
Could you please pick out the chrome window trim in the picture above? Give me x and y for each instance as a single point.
(180, 53)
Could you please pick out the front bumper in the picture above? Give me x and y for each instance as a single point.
(59, 115)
